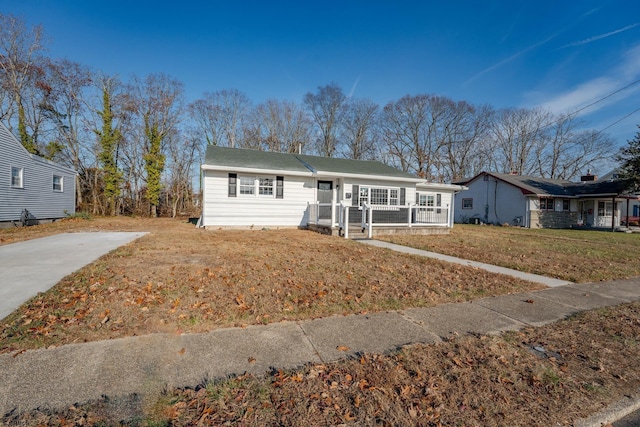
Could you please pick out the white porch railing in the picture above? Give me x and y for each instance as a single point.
(368, 216)
(407, 216)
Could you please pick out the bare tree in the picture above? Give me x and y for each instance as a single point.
(182, 154)
(360, 129)
(413, 132)
(65, 110)
(219, 116)
(327, 109)
(519, 136)
(280, 126)
(20, 59)
(464, 151)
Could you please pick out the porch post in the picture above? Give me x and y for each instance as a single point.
(409, 214)
(346, 222)
(613, 213)
(627, 213)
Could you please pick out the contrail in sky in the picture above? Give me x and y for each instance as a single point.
(353, 88)
(509, 59)
(601, 36)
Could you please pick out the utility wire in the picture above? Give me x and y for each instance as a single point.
(604, 97)
(619, 120)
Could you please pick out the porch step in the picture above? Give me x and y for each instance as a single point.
(357, 233)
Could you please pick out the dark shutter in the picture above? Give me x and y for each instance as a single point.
(355, 195)
(233, 188)
(279, 187)
(403, 196)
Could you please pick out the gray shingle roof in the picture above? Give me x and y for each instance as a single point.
(559, 188)
(360, 167)
(256, 159)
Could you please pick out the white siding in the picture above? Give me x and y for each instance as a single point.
(494, 202)
(243, 210)
(36, 195)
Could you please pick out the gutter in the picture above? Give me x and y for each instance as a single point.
(255, 170)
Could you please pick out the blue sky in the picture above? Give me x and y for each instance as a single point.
(562, 55)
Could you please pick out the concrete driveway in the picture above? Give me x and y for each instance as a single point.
(33, 266)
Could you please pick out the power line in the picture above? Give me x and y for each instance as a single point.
(619, 120)
(604, 97)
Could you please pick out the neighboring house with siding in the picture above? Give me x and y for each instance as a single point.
(44, 188)
(534, 202)
(252, 188)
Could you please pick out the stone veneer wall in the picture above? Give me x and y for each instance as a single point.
(553, 219)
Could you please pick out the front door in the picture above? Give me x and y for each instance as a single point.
(325, 199)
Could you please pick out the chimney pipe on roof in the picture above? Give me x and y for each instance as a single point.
(588, 177)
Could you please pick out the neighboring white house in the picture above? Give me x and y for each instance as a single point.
(542, 203)
(256, 188)
(44, 188)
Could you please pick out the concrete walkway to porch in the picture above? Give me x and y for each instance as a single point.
(547, 281)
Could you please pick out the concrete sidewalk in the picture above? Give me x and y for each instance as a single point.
(33, 266)
(147, 365)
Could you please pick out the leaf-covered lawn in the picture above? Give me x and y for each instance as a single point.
(581, 365)
(575, 255)
(182, 279)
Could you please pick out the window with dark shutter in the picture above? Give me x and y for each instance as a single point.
(403, 196)
(279, 187)
(232, 185)
(355, 195)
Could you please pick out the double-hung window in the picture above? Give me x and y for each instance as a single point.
(256, 186)
(265, 186)
(605, 208)
(16, 177)
(546, 203)
(247, 185)
(57, 183)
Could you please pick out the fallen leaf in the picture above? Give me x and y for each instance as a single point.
(342, 348)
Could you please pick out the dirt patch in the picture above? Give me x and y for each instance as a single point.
(182, 279)
(575, 255)
(545, 376)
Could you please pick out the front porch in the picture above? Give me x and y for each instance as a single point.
(368, 220)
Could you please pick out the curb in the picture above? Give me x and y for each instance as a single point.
(612, 413)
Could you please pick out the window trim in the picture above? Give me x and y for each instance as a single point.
(245, 189)
(61, 189)
(365, 196)
(548, 204)
(20, 176)
(602, 209)
(467, 200)
(263, 186)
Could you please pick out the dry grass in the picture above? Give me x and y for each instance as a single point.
(590, 361)
(575, 255)
(182, 279)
